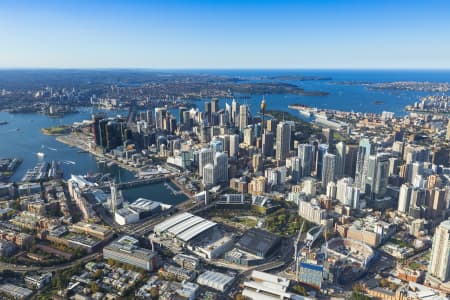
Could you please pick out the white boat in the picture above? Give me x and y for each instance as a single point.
(40, 154)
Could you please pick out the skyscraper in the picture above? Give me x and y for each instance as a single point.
(305, 153)
(243, 117)
(207, 111)
(283, 141)
(322, 149)
(350, 160)
(249, 137)
(267, 143)
(439, 266)
(377, 175)
(362, 161)
(328, 169)
(341, 150)
(215, 105)
(209, 177)
(234, 145)
(404, 198)
(234, 112)
(257, 162)
(160, 115)
(447, 135)
(221, 166)
(206, 156)
(296, 170)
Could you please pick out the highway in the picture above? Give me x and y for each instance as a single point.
(25, 268)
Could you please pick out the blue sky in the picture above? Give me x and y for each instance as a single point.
(225, 34)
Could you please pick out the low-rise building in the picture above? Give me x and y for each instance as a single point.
(215, 280)
(38, 281)
(125, 250)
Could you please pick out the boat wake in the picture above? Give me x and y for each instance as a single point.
(49, 148)
(69, 162)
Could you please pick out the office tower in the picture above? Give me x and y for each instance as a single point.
(257, 162)
(206, 156)
(341, 150)
(160, 115)
(441, 156)
(329, 169)
(328, 134)
(404, 198)
(438, 202)
(267, 144)
(417, 203)
(397, 149)
(365, 149)
(149, 116)
(209, 177)
(243, 117)
(221, 166)
(351, 155)
(322, 149)
(271, 125)
(439, 266)
(110, 133)
(228, 113)
(225, 139)
(187, 120)
(447, 134)
(296, 170)
(215, 105)
(309, 187)
(283, 141)
(181, 111)
(345, 191)
(305, 153)
(171, 124)
(377, 175)
(331, 190)
(249, 138)
(393, 166)
(216, 145)
(414, 169)
(207, 111)
(234, 145)
(234, 112)
(205, 133)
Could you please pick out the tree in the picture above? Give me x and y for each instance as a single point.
(94, 287)
(154, 293)
(239, 297)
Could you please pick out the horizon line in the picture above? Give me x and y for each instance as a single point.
(225, 69)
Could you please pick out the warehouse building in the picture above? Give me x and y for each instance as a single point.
(215, 280)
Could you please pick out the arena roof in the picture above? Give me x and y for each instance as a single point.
(258, 242)
(184, 226)
(163, 226)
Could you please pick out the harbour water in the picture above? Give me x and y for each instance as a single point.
(346, 97)
(21, 136)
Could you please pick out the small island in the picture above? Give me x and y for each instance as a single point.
(56, 130)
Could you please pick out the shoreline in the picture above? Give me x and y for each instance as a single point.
(66, 139)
